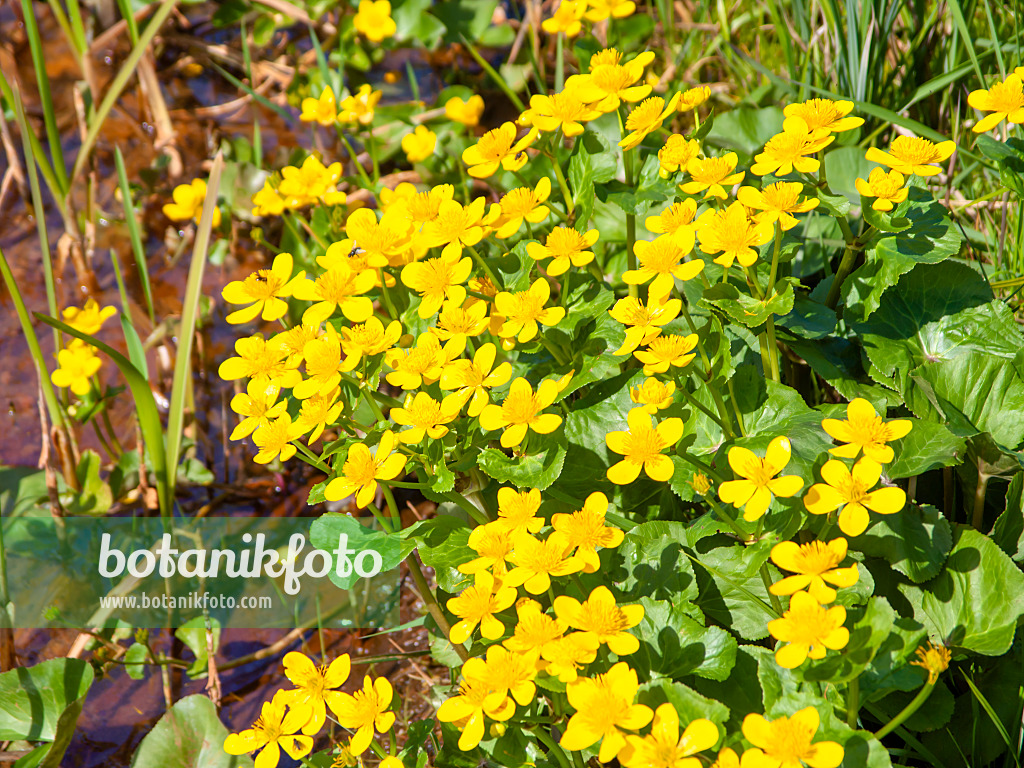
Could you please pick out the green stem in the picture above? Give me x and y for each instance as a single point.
(389, 498)
(725, 517)
(773, 349)
(906, 712)
(466, 506)
(543, 736)
(559, 62)
(392, 315)
(726, 429)
(627, 161)
(311, 458)
(845, 267)
(767, 579)
(570, 205)
(735, 408)
(430, 601)
(354, 158)
(704, 467)
(852, 702)
(555, 352)
(486, 268)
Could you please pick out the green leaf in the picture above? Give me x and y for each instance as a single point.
(135, 661)
(745, 129)
(890, 669)
(326, 530)
(673, 644)
(414, 23)
(731, 589)
(808, 319)
(592, 161)
(844, 165)
(741, 691)
(193, 634)
(977, 599)
(915, 541)
(95, 497)
(867, 633)
(655, 565)
(34, 700)
(929, 445)
(189, 735)
(445, 555)
(689, 704)
(465, 18)
(743, 308)
(538, 469)
(1008, 531)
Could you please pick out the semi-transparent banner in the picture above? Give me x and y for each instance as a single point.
(244, 572)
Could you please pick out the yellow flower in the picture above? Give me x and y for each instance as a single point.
(466, 112)
(436, 280)
(521, 411)
(851, 492)
(604, 709)
(256, 407)
(664, 748)
(382, 242)
(664, 351)
(512, 673)
(368, 339)
(78, 363)
(338, 288)
(294, 340)
(777, 202)
(865, 430)
(535, 630)
(317, 412)
(264, 362)
(642, 447)
(1005, 100)
(323, 110)
(89, 319)
(808, 629)
(474, 704)
(586, 530)
(727, 758)
(787, 742)
(457, 226)
(700, 484)
(569, 654)
(373, 20)
(525, 309)
(825, 114)
(564, 246)
(477, 604)
(323, 365)
(425, 416)
(934, 659)
(646, 118)
(535, 561)
(267, 288)
(188, 203)
(790, 149)
(273, 731)
(523, 203)
(711, 174)
(566, 18)
(358, 108)
(599, 10)
(733, 233)
(455, 324)
(498, 147)
(472, 378)
(611, 82)
(274, 438)
(561, 110)
(661, 259)
(678, 222)
(643, 321)
(267, 201)
(886, 187)
(309, 182)
(365, 711)
(493, 544)
(314, 686)
(758, 484)
(653, 395)
(676, 153)
(694, 97)
(517, 510)
(420, 365)
(911, 155)
(361, 471)
(419, 145)
(814, 563)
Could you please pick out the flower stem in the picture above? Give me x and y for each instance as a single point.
(311, 458)
(465, 505)
(559, 62)
(392, 315)
(906, 712)
(852, 702)
(773, 347)
(706, 411)
(725, 517)
(486, 268)
(570, 206)
(353, 157)
(543, 736)
(767, 579)
(430, 601)
(845, 267)
(389, 497)
(627, 165)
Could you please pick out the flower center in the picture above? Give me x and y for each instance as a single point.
(611, 78)
(816, 558)
(521, 408)
(662, 256)
(360, 469)
(756, 472)
(518, 203)
(712, 170)
(528, 306)
(647, 115)
(336, 285)
(496, 144)
(913, 150)
(781, 196)
(1003, 97)
(789, 743)
(644, 444)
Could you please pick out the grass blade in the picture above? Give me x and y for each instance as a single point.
(284, 113)
(994, 718)
(189, 312)
(133, 233)
(961, 25)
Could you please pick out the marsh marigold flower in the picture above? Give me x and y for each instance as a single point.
(678, 222)
(524, 310)
(562, 110)
(498, 147)
(641, 446)
(359, 107)
(886, 187)
(420, 365)
(569, 654)
(339, 288)
(643, 321)
(864, 430)
(758, 483)
(522, 411)
(477, 604)
(322, 110)
(311, 181)
(455, 324)
(275, 438)
(566, 18)
(586, 530)
(851, 493)
(436, 280)
(317, 412)
(466, 112)
(275, 729)
(493, 545)
(188, 203)
(425, 417)
(813, 563)
(535, 561)
(88, 319)
(78, 363)
(365, 711)
(694, 97)
(457, 226)
(314, 686)
(653, 395)
(1005, 100)
(676, 153)
(664, 351)
(662, 260)
(664, 747)
(646, 118)
(564, 246)
(711, 175)
(534, 630)
(362, 470)
(323, 365)
(267, 201)
(523, 204)
(934, 659)
(599, 10)
(419, 145)
(912, 155)
(788, 742)
(475, 703)
(367, 339)
(264, 291)
(472, 378)
(808, 630)
(382, 242)
(832, 116)
(733, 234)
(777, 203)
(792, 149)
(257, 406)
(517, 510)
(373, 20)
(604, 710)
(266, 362)
(611, 81)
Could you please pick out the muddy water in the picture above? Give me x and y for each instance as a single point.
(119, 710)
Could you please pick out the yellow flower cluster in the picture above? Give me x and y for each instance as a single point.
(78, 362)
(298, 187)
